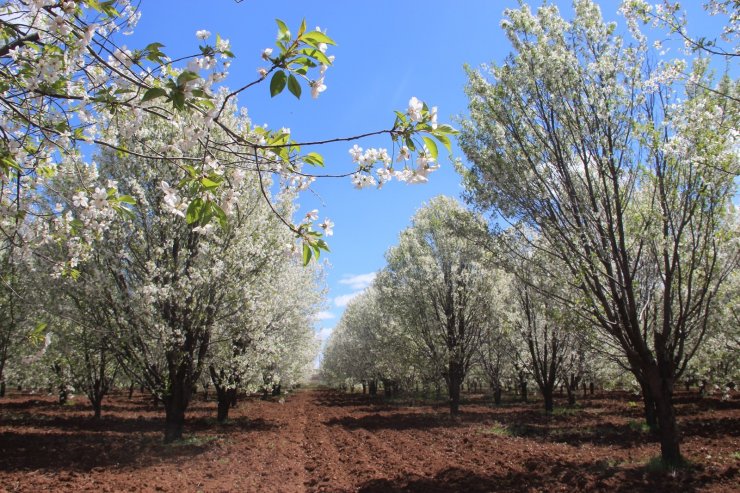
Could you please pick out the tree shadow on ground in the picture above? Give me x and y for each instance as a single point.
(547, 475)
(82, 452)
(75, 442)
(407, 421)
(710, 428)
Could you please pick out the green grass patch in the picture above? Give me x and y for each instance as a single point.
(566, 410)
(638, 426)
(497, 429)
(657, 465)
(194, 441)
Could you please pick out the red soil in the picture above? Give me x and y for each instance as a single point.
(321, 440)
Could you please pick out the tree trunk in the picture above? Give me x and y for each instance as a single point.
(174, 421)
(523, 388)
(454, 388)
(662, 395)
(547, 393)
(455, 379)
(649, 405)
(175, 404)
(222, 412)
(571, 396)
(97, 409)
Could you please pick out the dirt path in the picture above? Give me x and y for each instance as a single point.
(325, 441)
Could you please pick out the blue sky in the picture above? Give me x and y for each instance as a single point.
(387, 52)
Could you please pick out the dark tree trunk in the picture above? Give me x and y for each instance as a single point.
(387, 390)
(547, 393)
(651, 417)
(497, 394)
(97, 408)
(571, 396)
(662, 394)
(455, 377)
(174, 422)
(63, 394)
(222, 412)
(523, 389)
(175, 404)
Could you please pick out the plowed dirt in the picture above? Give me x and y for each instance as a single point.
(326, 441)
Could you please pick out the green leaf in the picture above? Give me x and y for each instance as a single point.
(318, 37)
(220, 215)
(315, 54)
(314, 159)
(283, 31)
(445, 141)
(322, 244)
(195, 211)
(36, 336)
(186, 77)
(445, 129)
(153, 93)
(277, 83)
(410, 144)
(209, 184)
(178, 100)
(294, 86)
(127, 199)
(431, 146)
(306, 253)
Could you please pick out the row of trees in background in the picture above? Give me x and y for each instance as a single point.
(160, 303)
(172, 257)
(614, 177)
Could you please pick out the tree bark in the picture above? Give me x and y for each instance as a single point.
(454, 383)
(175, 404)
(97, 409)
(222, 412)
(571, 396)
(547, 393)
(523, 388)
(649, 405)
(662, 394)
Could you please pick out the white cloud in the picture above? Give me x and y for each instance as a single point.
(324, 333)
(358, 282)
(343, 300)
(324, 315)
